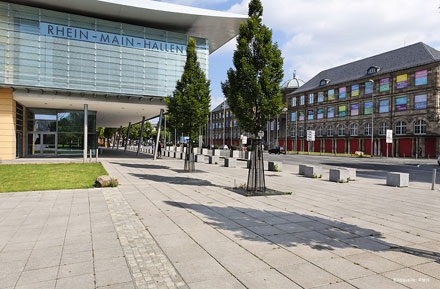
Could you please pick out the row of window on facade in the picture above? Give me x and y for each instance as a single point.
(399, 129)
(235, 135)
(401, 104)
(421, 78)
(220, 114)
(229, 123)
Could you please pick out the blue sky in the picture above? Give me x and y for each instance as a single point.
(314, 35)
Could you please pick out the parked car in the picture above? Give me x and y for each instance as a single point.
(277, 150)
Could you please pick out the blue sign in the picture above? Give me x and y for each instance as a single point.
(62, 31)
(420, 101)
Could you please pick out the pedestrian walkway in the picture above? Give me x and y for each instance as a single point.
(164, 227)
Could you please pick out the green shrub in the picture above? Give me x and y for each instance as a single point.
(315, 176)
(234, 148)
(249, 148)
(276, 168)
(216, 147)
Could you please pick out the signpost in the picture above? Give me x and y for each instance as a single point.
(310, 137)
(389, 138)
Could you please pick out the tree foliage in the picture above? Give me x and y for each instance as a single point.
(188, 108)
(253, 88)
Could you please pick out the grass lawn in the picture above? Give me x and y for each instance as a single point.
(39, 177)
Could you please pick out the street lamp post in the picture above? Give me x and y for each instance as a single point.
(372, 118)
(224, 122)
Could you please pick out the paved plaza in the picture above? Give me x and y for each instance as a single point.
(164, 228)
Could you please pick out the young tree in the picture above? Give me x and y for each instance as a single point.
(253, 88)
(188, 108)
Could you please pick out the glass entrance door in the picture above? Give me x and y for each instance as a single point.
(42, 144)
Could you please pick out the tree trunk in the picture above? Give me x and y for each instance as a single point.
(256, 182)
(189, 158)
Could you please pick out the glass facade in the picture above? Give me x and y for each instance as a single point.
(44, 48)
(58, 132)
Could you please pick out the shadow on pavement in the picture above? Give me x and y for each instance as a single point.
(297, 229)
(142, 166)
(174, 180)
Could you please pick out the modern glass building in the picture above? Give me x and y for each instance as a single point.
(114, 60)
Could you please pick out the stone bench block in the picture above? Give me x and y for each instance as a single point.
(216, 152)
(339, 175)
(275, 166)
(213, 159)
(302, 169)
(312, 171)
(230, 162)
(200, 159)
(204, 151)
(398, 179)
(178, 155)
(234, 154)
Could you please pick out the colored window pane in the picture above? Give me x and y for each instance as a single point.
(368, 107)
(420, 101)
(384, 85)
(331, 112)
(402, 81)
(368, 88)
(320, 96)
(342, 111)
(293, 116)
(301, 115)
(354, 109)
(422, 77)
(320, 113)
(331, 94)
(355, 90)
(310, 114)
(401, 103)
(342, 92)
(384, 106)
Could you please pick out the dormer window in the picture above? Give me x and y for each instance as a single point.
(373, 70)
(324, 82)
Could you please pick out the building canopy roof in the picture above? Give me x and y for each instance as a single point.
(403, 58)
(220, 106)
(219, 27)
(292, 83)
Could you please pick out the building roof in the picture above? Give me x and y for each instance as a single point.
(219, 27)
(402, 58)
(292, 83)
(220, 107)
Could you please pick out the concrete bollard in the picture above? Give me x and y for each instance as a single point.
(312, 172)
(275, 166)
(200, 159)
(397, 179)
(230, 162)
(301, 169)
(213, 160)
(234, 154)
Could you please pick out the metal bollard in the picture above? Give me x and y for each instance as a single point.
(434, 177)
(96, 155)
(90, 153)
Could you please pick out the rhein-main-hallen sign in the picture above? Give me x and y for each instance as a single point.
(62, 31)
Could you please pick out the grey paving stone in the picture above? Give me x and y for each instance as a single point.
(266, 279)
(225, 282)
(309, 275)
(413, 279)
(76, 282)
(374, 262)
(432, 269)
(75, 269)
(375, 281)
(38, 275)
(343, 268)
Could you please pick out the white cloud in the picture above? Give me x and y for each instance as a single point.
(320, 34)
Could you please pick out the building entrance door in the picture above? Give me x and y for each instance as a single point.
(42, 144)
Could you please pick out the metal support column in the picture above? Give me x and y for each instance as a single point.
(141, 137)
(86, 108)
(165, 133)
(158, 135)
(128, 136)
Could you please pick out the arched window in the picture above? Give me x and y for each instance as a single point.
(383, 128)
(354, 130)
(400, 128)
(367, 129)
(419, 127)
(341, 130)
(301, 132)
(330, 131)
(319, 131)
(293, 132)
